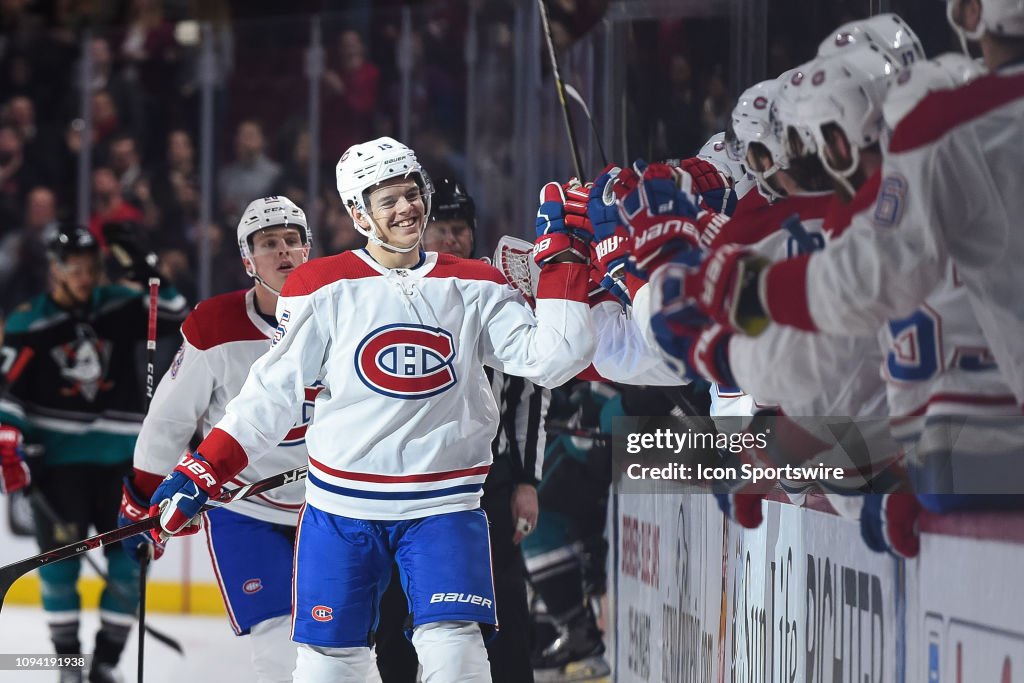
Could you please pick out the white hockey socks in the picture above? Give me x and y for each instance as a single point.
(273, 651)
(315, 664)
(452, 652)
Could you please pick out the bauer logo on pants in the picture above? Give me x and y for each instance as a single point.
(407, 361)
(322, 613)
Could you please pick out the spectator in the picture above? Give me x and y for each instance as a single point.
(717, 104)
(250, 176)
(23, 263)
(108, 205)
(40, 146)
(105, 79)
(16, 177)
(351, 91)
(176, 190)
(106, 123)
(679, 116)
(294, 180)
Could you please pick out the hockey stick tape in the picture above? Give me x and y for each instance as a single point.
(523, 526)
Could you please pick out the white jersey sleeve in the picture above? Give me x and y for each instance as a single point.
(549, 347)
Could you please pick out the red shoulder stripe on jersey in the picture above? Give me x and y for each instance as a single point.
(466, 269)
(225, 455)
(564, 281)
(400, 478)
(219, 320)
(320, 272)
(785, 293)
(944, 110)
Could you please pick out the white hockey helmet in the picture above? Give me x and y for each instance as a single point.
(752, 124)
(270, 212)
(846, 89)
(946, 71)
(888, 31)
(998, 17)
(723, 155)
(367, 164)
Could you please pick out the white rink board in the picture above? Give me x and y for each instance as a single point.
(669, 595)
(966, 620)
(809, 602)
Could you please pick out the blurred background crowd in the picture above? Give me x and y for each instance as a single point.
(171, 115)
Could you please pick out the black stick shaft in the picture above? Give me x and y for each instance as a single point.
(12, 572)
(560, 88)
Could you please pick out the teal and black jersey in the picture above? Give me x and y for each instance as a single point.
(71, 376)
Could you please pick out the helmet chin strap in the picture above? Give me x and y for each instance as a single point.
(373, 235)
(250, 270)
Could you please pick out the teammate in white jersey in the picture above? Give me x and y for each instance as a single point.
(251, 544)
(972, 137)
(400, 441)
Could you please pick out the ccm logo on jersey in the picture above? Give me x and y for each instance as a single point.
(322, 613)
(407, 361)
(460, 597)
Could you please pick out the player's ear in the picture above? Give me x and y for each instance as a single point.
(360, 218)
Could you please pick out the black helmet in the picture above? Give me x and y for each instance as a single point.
(451, 202)
(72, 239)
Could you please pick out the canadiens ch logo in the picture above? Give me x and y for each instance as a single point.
(407, 361)
(322, 613)
(252, 586)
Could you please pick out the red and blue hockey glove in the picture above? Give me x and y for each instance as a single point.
(660, 215)
(135, 508)
(714, 187)
(610, 235)
(726, 287)
(181, 495)
(693, 345)
(888, 523)
(14, 472)
(559, 232)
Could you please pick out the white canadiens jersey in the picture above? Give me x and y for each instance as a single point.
(938, 363)
(951, 189)
(403, 426)
(223, 337)
(809, 374)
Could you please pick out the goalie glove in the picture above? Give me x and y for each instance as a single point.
(558, 232)
(181, 496)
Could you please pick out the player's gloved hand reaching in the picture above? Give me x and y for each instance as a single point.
(135, 508)
(661, 216)
(14, 472)
(725, 286)
(714, 187)
(561, 233)
(181, 495)
(692, 345)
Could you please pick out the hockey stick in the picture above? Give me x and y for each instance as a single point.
(560, 89)
(144, 552)
(575, 94)
(43, 504)
(12, 572)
